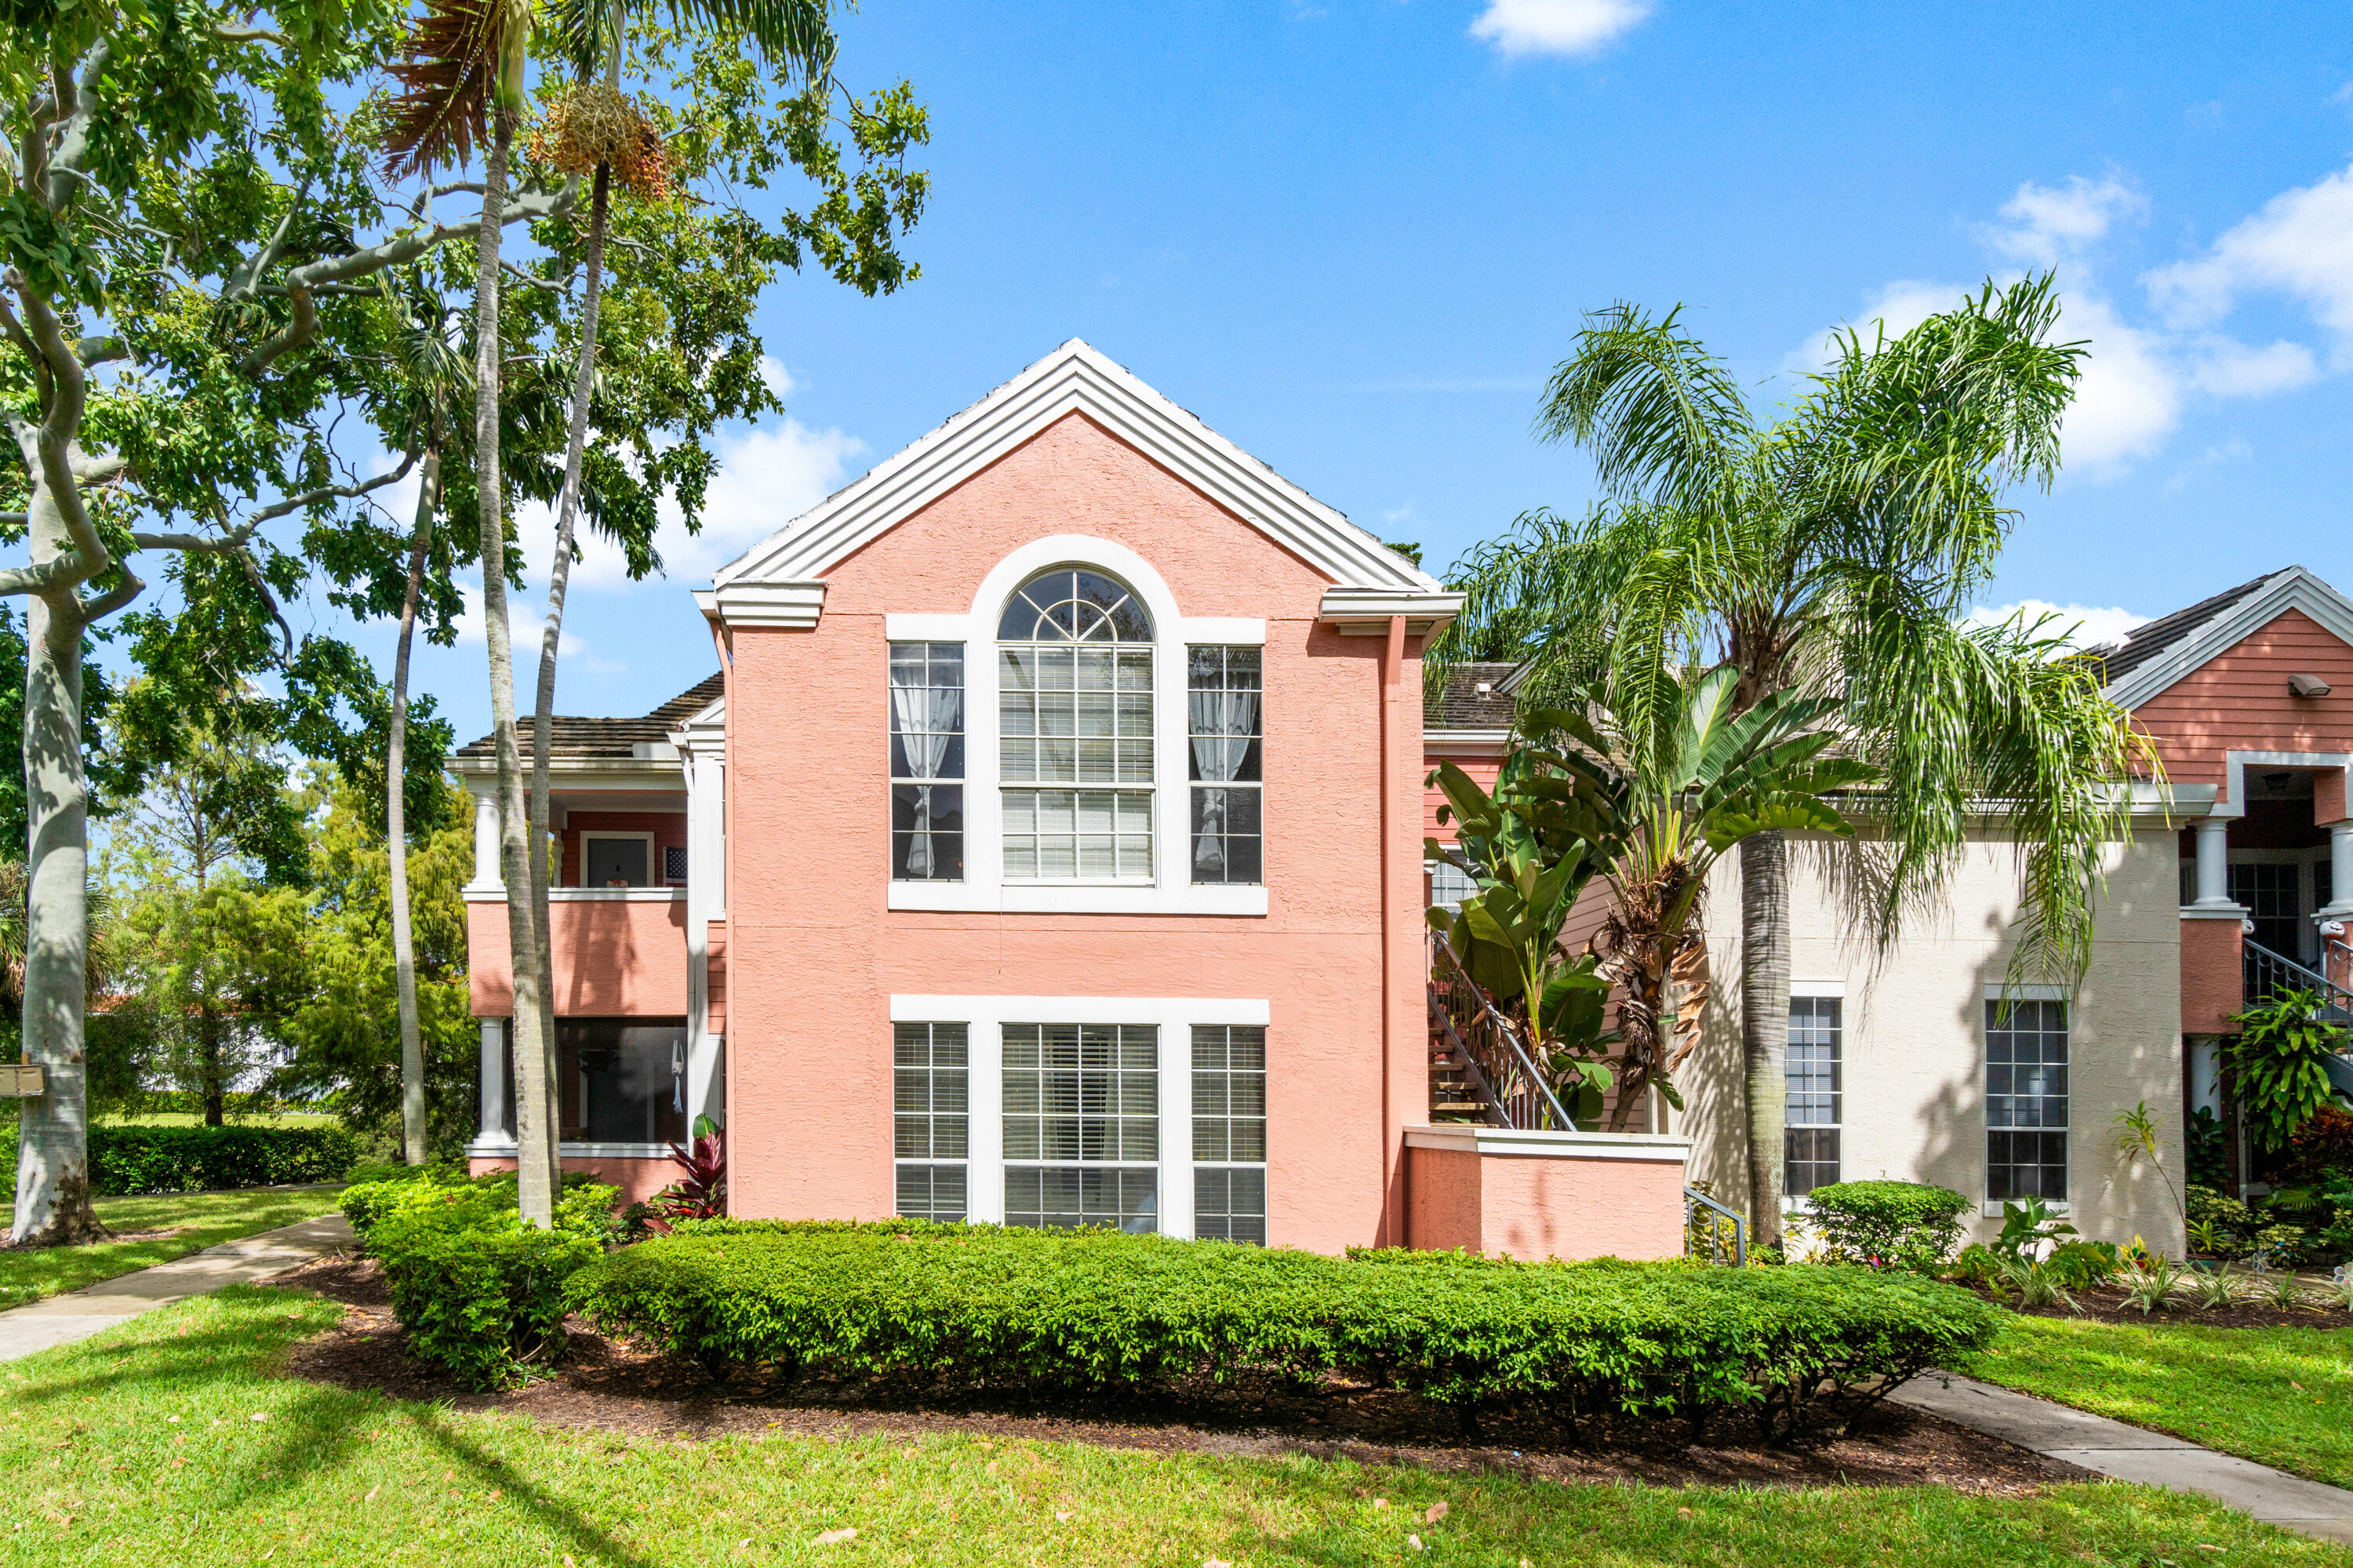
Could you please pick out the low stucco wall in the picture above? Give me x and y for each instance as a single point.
(1543, 1195)
(2213, 977)
(637, 1179)
(614, 957)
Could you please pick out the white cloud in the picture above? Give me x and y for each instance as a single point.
(2082, 625)
(526, 625)
(2129, 399)
(1895, 310)
(2048, 224)
(1556, 27)
(2300, 243)
(766, 477)
(779, 380)
(2232, 369)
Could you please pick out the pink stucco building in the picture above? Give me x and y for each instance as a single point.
(1047, 850)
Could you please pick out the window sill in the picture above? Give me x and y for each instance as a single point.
(1080, 898)
(1991, 1209)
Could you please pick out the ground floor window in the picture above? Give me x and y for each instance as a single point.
(931, 1132)
(1230, 1132)
(1814, 1108)
(2026, 1099)
(1082, 1125)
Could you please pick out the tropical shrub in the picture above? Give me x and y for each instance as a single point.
(144, 1159)
(2281, 1056)
(2026, 1225)
(1103, 1310)
(2321, 1146)
(1978, 1266)
(2081, 1265)
(699, 1194)
(481, 1293)
(1888, 1224)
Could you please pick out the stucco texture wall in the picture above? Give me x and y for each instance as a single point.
(613, 959)
(1915, 1033)
(813, 954)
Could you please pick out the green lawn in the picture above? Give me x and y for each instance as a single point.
(169, 1440)
(2281, 1396)
(206, 1218)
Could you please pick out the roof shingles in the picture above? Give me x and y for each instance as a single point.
(591, 739)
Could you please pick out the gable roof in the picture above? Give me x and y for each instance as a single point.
(2157, 655)
(781, 576)
(607, 739)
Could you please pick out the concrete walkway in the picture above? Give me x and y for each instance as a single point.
(2135, 1454)
(78, 1314)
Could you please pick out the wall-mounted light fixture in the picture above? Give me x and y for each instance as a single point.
(2307, 685)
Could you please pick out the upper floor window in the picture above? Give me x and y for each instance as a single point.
(926, 745)
(1225, 732)
(1074, 727)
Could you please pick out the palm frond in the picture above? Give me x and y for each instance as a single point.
(453, 65)
(1663, 418)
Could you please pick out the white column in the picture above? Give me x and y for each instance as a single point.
(486, 846)
(493, 1095)
(2214, 864)
(2340, 871)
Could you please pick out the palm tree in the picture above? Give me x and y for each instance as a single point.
(466, 63)
(1831, 549)
(595, 127)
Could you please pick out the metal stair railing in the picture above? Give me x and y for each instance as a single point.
(2268, 974)
(1704, 1222)
(1490, 1041)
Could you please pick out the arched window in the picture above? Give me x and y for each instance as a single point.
(1074, 724)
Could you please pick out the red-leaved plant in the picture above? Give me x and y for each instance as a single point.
(702, 1192)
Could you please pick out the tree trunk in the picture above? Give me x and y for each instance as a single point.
(1765, 1023)
(396, 818)
(52, 1207)
(559, 576)
(211, 1078)
(535, 1168)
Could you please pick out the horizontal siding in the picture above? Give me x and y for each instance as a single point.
(2238, 700)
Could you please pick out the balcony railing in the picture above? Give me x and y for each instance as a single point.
(1476, 1051)
(2269, 973)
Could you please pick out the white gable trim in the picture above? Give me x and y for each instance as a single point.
(2295, 588)
(780, 580)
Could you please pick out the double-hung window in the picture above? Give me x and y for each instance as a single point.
(1074, 727)
(1224, 735)
(930, 1066)
(1230, 1132)
(1082, 1125)
(2026, 1099)
(1815, 1095)
(927, 748)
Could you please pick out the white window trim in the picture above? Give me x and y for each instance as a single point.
(653, 857)
(1171, 890)
(984, 1097)
(1991, 1208)
(1833, 991)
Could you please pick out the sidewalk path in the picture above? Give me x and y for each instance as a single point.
(2134, 1454)
(78, 1314)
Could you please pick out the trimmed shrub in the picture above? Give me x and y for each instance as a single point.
(1889, 1224)
(139, 1158)
(2081, 1265)
(1102, 1310)
(479, 1292)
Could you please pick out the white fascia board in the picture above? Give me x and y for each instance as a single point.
(2295, 588)
(793, 604)
(1465, 739)
(1365, 611)
(1470, 1139)
(1074, 378)
(480, 773)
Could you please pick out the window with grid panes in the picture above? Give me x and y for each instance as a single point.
(1082, 1125)
(1074, 727)
(927, 748)
(1230, 1132)
(2026, 1100)
(1225, 733)
(2271, 892)
(931, 1065)
(1813, 1108)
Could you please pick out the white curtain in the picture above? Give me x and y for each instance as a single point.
(925, 718)
(1224, 725)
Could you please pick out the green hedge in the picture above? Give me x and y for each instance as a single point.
(1889, 1224)
(1100, 1310)
(136, 1158)
(480, 1294)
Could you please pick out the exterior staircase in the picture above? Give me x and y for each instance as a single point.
(2269, 973)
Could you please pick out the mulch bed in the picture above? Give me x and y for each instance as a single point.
(612, 1387)
(2110, 1307)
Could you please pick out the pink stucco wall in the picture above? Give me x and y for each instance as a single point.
(613, 958)
(637, 1179)
(1540, 1206)
(2213, 979)
(813, 954)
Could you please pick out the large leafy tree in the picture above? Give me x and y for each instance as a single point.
(1831, 545)
(188, 231)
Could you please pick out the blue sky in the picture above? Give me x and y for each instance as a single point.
(1353, 236)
